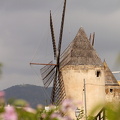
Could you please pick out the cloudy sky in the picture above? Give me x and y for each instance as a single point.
(25, 35)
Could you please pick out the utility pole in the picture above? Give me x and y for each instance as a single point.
(85, 100)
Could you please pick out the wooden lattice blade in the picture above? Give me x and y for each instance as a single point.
(48, 74)
(61, 33)
(58, 92)
(53, 37)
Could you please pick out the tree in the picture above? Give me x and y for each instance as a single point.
(1, 68)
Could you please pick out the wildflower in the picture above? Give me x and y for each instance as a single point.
(47, 108)
(67, 118)
(43, 115)
(29, 109)
(57, 116)
(2, 93)
(52, 107)
(67, 104)
(39, 106)
(10, 113)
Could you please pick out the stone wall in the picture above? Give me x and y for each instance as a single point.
(112, 93)
(74, 76)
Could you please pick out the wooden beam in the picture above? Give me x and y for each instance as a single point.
(41, 64)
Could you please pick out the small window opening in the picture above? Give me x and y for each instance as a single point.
(98, 73)
(111, 90)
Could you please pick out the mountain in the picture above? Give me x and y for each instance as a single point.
(34, 95)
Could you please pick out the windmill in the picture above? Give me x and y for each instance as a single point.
(51, 72)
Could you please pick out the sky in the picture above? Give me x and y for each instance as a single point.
(25, 34)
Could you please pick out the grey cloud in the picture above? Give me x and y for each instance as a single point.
(23, 5)
(24, 26)
(101, 6)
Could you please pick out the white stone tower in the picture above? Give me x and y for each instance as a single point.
(83, 73)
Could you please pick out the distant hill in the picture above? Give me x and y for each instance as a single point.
(34, 95)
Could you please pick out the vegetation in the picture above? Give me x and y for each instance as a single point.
(20, 110)
(112, 111)
(1, 68)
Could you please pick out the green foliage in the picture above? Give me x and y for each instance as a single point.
(23, 112)
(24, 115)
(11, 101)
(1, 110)
(1, 65)
(19, 103)
(112, 111)
(40, 114)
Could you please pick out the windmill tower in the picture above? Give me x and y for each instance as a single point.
(80, 63)
(78, 72)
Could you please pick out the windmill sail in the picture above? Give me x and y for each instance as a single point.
(48, 71)
(53, 36)
(48, 74)
(57, 95)
(51, 72)
(61, 33)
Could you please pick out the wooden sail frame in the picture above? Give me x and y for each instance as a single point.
(53, 37)
(57, 76)
(42, 64)
(58, 91)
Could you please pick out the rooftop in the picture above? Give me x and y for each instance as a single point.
(109, 77)
(80, 52)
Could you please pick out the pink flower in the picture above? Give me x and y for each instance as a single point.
(10, 113)
(59, 117)
(29, 109)
(2, 93)
(43, 115)
(55, 115)
(67, 118)
(67, 104)
(52, 107)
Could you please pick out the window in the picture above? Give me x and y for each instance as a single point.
(98, 73)
(111, 90)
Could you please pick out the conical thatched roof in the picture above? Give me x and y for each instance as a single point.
(110, 80)
(80, 52)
